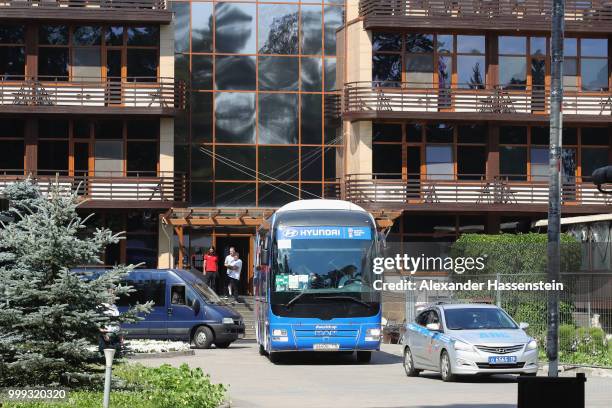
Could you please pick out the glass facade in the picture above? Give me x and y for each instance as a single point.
(254, 133)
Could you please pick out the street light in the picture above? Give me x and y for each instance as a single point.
(601, 176)
(109, 354)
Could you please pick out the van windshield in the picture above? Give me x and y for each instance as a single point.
(204, 290)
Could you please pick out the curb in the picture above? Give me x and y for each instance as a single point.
(166, 354)
(573, 369)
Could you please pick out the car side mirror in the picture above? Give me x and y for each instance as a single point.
(523, 325)
(196, 307)
(433, 326)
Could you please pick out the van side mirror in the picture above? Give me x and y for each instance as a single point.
(433, 326)
(523, 325)
(196, 306)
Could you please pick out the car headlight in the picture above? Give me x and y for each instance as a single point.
(461, 346)
(228, 320)
(372, 334)
(532, 345)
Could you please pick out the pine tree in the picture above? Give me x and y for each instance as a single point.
(49, 316)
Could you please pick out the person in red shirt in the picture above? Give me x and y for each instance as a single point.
(210, 268)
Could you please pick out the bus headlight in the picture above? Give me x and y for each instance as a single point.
(532, 345)
(372, 334)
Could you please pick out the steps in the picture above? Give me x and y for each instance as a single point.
(245, 306)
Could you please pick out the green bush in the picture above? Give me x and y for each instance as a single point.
(567, 336)
(142, 387)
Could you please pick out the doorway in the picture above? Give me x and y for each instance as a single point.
(243, 246)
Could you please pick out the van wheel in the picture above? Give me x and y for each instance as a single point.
(222, 345)
(203, 337)
(262, 350)
(445, 368)
(409, 364)
(364, 356)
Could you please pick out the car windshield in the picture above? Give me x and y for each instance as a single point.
(323, 266)
(478, 319)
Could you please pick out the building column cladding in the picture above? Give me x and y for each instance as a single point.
(166, 142)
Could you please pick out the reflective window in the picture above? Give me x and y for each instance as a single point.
(181, 26)
(142, 63)
(143, 36)
(235, 72)
(311, 163)
(471, 71)
(330, 74)
(387, 160)
(471, 44)
(311, 74)
(419, 70)
(439, 162)
(280, 163)
(53, 35)
(512, 72)
(445, 43)
(386, 68)
(142, 158)
(383, 132)
(278, 29)
(594, 47)
(312, 30)
(235, 28)
(537, 46)
(235, 117)
(471, 162)
(333, 19)
(53, 62)
(278, 118)
(592, 159)
(513, 162)
(52, 156)
(276, 194)
(201, 27)
(311, 124)
(235, 163)
(419, 43)
(386, 41)
(87, 35)
(512, 45)
(238, 194)
(594, 64)
(439, 133)
(201, 162)
(278, 73)
(539, 164)
(12, 34)
(201, 116)
(201, 72)
(12, 61)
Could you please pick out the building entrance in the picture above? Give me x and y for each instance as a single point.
(243, 246)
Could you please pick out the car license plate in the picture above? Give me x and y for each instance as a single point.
(325, 347)
(502, 360)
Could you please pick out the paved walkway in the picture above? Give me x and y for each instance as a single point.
(329, 381)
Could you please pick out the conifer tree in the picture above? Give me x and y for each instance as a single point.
(50, 316)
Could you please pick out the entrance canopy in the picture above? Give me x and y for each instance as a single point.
(254, 217)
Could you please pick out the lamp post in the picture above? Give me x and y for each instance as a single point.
(109, 354)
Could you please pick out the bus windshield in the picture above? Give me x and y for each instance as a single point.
(316, 263)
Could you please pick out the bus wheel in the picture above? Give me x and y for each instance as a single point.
(274, 357)
(262, 350)
(203, 337)
(364, 356)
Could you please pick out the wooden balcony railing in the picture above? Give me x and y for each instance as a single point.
(471, 190)
(138, 188)
(152, 95)
(534, 15)
(103, 4)
(397, 98)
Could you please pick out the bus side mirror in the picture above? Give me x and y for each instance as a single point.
(263, 256)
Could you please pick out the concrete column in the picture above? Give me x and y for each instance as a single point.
(358, 147)
(165, 255)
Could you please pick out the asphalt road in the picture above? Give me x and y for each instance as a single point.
(328, 381)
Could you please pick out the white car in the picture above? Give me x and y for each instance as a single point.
(468, 339)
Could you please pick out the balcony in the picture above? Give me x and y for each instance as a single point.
(118, 11)
(111, 96)
(593, 16)
(443, 192)
(405, 100)
(112, 190)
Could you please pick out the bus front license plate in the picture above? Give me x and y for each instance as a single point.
(325, 347)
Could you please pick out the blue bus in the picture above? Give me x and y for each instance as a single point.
(313, 280)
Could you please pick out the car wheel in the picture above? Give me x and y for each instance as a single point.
(445, 367)
(203, 337)
(364, 356)
(409, 364)
(223, 345)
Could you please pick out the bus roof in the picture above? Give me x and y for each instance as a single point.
(320, 205)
